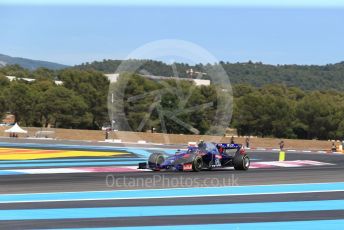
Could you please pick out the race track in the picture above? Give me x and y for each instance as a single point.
(84, 186)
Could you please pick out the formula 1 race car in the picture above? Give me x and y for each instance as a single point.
(205, 156)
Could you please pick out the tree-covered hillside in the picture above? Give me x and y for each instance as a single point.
(81, 102)
(314, 77)
(29, 63)
(274, 110)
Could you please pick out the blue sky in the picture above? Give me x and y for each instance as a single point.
(292, 32)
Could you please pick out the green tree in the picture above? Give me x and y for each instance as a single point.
(4, 82)
(315, 113)
(19, 98)
(63, 108)
(93, 87)
(15, 70)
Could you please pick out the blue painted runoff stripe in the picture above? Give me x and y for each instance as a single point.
(140, 152)
(146, 211)
(171, 193)
(5, 172)
(57, 164)
(295, 225)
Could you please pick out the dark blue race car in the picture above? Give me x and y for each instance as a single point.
(205, 156)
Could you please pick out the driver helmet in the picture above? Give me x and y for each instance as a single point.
(201, 144)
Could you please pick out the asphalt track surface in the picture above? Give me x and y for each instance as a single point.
(279, 209)
(167, 220)
(110, 181)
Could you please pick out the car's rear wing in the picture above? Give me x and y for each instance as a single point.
(229, 146)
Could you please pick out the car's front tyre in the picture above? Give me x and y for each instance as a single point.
(155, 160)
(197, 164)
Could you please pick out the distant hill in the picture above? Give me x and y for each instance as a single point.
(29, 63)
(307, 77)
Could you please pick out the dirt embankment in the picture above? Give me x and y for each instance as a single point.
(98, 135)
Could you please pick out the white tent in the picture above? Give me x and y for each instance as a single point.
(15, 129)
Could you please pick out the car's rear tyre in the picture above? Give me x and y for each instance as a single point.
(155, 160)
(241, 162)
(197, 164)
